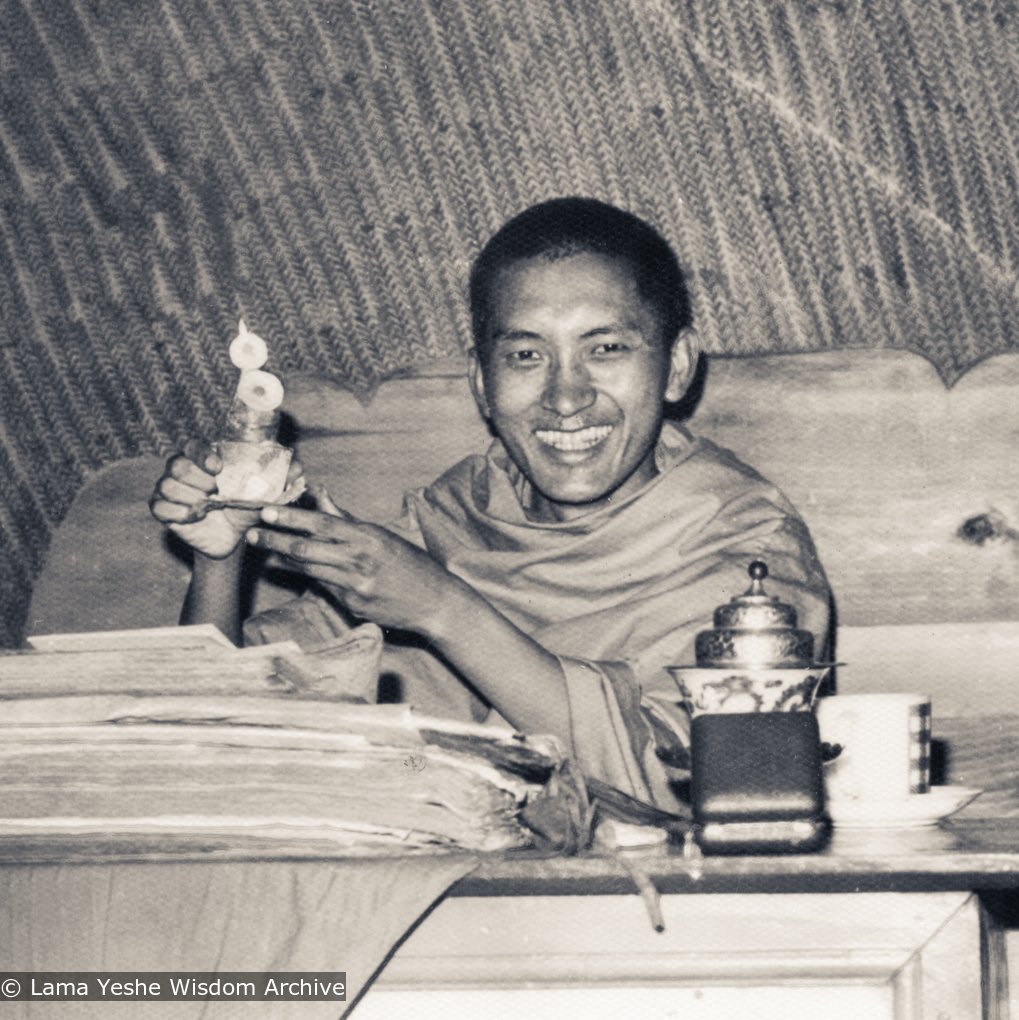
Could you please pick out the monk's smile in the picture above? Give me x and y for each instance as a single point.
(574, 440)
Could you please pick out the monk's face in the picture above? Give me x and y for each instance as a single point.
(573, 379)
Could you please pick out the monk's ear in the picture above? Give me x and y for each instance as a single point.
(476, 376)
(682, 365)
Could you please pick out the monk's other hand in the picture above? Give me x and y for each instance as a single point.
(376, 574)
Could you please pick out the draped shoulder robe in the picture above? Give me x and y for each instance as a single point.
(617, 594)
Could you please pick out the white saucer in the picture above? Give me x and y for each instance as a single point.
(910, 812)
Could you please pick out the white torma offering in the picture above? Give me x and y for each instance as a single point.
(248, 351)
(255, 465)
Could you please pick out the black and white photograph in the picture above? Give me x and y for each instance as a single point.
(510, 508)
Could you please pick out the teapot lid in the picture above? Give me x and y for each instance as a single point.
(756, 630)
(755, 609)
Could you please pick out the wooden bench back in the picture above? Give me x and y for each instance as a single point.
(885, 464)
(889, 468)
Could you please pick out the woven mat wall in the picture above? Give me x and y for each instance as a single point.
(833, 173)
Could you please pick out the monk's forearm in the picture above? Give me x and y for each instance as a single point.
(214, 593)
(522, 680)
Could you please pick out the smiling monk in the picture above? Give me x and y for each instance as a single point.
(554, 578)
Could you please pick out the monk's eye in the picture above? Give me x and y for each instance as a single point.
(611, 349)
(522, 357)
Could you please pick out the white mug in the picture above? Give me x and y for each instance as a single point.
(885, 742)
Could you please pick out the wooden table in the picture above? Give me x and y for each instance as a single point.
(922, 933)
(898, 923)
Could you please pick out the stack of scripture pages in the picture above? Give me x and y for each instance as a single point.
(151, 742)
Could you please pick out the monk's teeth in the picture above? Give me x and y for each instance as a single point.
(578, 439)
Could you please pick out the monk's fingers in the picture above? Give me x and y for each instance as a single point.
(173, 490)
(185, 470)
(171, 512)
(204, 456)
(328, 526)
(343, 557)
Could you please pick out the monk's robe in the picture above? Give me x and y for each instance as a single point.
(617, 594)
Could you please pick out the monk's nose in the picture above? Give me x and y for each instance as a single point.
(569, 390)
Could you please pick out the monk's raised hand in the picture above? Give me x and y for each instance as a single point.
(181, 498)
(187, 482)
(377, 575)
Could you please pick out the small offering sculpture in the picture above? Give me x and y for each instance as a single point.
(255, 464)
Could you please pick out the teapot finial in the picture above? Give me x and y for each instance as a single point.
(758, 571)
(755, 630)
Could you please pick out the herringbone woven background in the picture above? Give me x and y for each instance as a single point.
(834, 173)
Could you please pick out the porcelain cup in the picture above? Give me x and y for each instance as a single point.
(734, 689)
